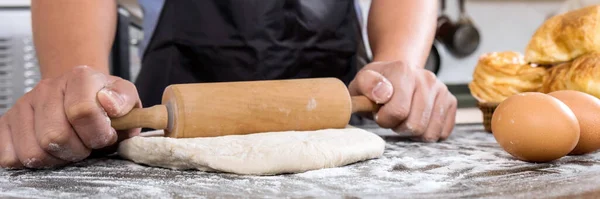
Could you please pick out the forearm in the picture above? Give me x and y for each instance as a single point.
(402, 30)
(70, 33)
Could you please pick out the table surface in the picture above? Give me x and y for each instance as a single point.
(468, 164)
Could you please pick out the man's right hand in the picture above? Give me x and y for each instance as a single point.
(63, 119)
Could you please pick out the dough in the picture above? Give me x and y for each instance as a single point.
(257, 154)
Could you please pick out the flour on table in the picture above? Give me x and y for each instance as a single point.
(257, 154)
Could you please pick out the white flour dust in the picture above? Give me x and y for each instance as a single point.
(311, 105)
(469, 164)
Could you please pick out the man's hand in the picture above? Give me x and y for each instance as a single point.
(413, 99)
(63, 119)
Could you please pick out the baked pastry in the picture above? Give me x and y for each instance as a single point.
(554, 80)
(565, 37)
(499, 75)
(582, 74)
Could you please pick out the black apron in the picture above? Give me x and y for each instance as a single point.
(242, 40)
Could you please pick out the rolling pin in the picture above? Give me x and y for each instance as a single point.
(235, 108)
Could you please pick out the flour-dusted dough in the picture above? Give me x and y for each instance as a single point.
(257, 154)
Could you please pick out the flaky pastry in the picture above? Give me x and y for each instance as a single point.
(582, 74)
(554, 80)
(565, 37)
(499, 75)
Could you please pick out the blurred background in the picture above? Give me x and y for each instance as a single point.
(501, 25)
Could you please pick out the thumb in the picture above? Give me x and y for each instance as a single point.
(373, 85)
(118, 97)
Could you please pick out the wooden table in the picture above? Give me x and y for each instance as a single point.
(468, 164)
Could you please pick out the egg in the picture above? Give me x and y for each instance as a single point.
(587, 110)
(535, 127)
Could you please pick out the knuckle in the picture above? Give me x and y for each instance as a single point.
(361, 77)
(128, 84)
(9, 163)
(417, 128)
(81, 71)
(7, 157)
(9, 160)
(83, 154)
(41, 89)
(54, 140)
(445, 136)
(429, 78)
(23, 101)
(400, 64)
(360, 73)
(439, 121)
(453, 101)
(85, 73)
(399, 113)
(42, 85)
(430, 138)
(439, 127)
(429, 75)
(441, 86)
(17, 112)
(34, 159)
(81, 111)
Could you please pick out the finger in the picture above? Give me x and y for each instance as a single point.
(372, 85)
(53, 131)
(396, 110)
(438, 117)
(450, 117)
(8, 156)
(84, 113)
(21, 125)
(123, 135)
(422, 106)
(118, 97)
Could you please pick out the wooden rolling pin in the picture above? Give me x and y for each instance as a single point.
(217, 109)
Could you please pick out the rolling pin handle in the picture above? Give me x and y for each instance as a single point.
(155, 117)
(361, 104)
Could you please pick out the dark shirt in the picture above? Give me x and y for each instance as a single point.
(243, 40)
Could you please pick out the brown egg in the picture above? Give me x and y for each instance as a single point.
(535, 127)
(587, 110)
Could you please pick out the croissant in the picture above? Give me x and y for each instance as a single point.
(554, 80)
(582, 74)
(499, 75)
(565, 37)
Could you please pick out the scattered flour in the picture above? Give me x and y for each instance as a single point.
(469, 164)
